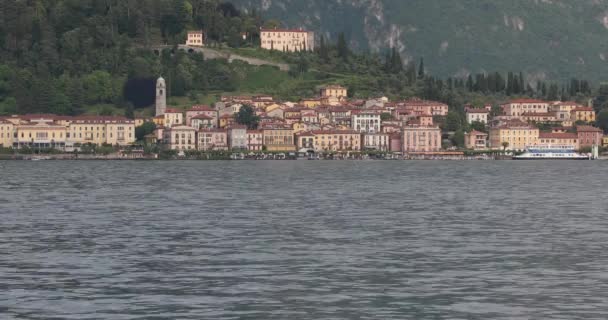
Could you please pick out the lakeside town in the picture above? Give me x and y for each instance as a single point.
(315, 127)
(327, 126)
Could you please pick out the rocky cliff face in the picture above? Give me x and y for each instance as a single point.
(554, 39)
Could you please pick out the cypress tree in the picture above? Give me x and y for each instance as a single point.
(421, 69)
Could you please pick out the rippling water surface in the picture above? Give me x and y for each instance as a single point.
(303, 240)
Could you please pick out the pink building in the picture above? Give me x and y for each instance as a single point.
(589, 136)
(476, 140)
(421, 139)
(255, 141)
(212, 139)
(395, 142)
(433, 108)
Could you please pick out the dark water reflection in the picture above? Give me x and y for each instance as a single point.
(303, 240)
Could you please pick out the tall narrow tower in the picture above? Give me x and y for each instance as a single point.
(161, 96)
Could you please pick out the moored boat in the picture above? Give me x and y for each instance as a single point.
(551, 153)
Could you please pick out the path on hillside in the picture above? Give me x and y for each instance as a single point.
(209, 53)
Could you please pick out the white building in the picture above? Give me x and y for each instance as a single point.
(366, 121)
(376, 141)
(479, 115)
(287, 40)
(237, 137)
(180, 138)
(195, 38)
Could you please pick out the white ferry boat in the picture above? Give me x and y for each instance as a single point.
(551, 153)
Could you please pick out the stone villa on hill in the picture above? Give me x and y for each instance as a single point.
(287, 40)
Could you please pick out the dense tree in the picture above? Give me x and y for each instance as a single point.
(246, 116)
(144, 130)
(602, 120)
(343, 50)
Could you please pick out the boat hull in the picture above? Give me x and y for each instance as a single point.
(540, 158)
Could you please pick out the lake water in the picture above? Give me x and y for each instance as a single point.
(303, 240)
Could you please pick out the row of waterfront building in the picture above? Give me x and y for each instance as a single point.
(65, 133)
(329, 122)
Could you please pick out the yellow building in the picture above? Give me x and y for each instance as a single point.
(101, 130)
(63, 132)
(605, 141)
(311, 103)
(583, 114)
(278, 138)
(330, 140)
(159, 121)
(334, 91)
(41, 135)
(6, 133)
(287, 40)
(517, 134)
(173, 117)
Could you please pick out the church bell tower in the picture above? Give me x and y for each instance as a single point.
(161, 96)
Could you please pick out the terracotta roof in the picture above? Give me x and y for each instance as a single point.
(201, 108)
(334, 132)
(550, 135)
(172, 110)
(537, 114)
(477, 110)
(515, 101)
(254, 131)
(583, 109)
(587, 129)
(283, 30)
(202, 117)
(477, 133)
(212, 130)
(237, 126)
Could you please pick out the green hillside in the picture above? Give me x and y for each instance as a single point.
(555, 39)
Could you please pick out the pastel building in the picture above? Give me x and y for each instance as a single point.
(476, 140)
(330, 140)
(6, 134)
(558, 139)
(518, 107)
(255, 140)
(180, 137)
(477, 115)
(366, 121)
(516, 133)
(201, 110)
(334, 91)
(376, 141)
(287, 40)
(421, 139)
(237, 137)
(585, 114)
(41, 135)
(212, 140)
(195, 38)
(278, 138)
(173, 117)
(427, 107)
(589, 136)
